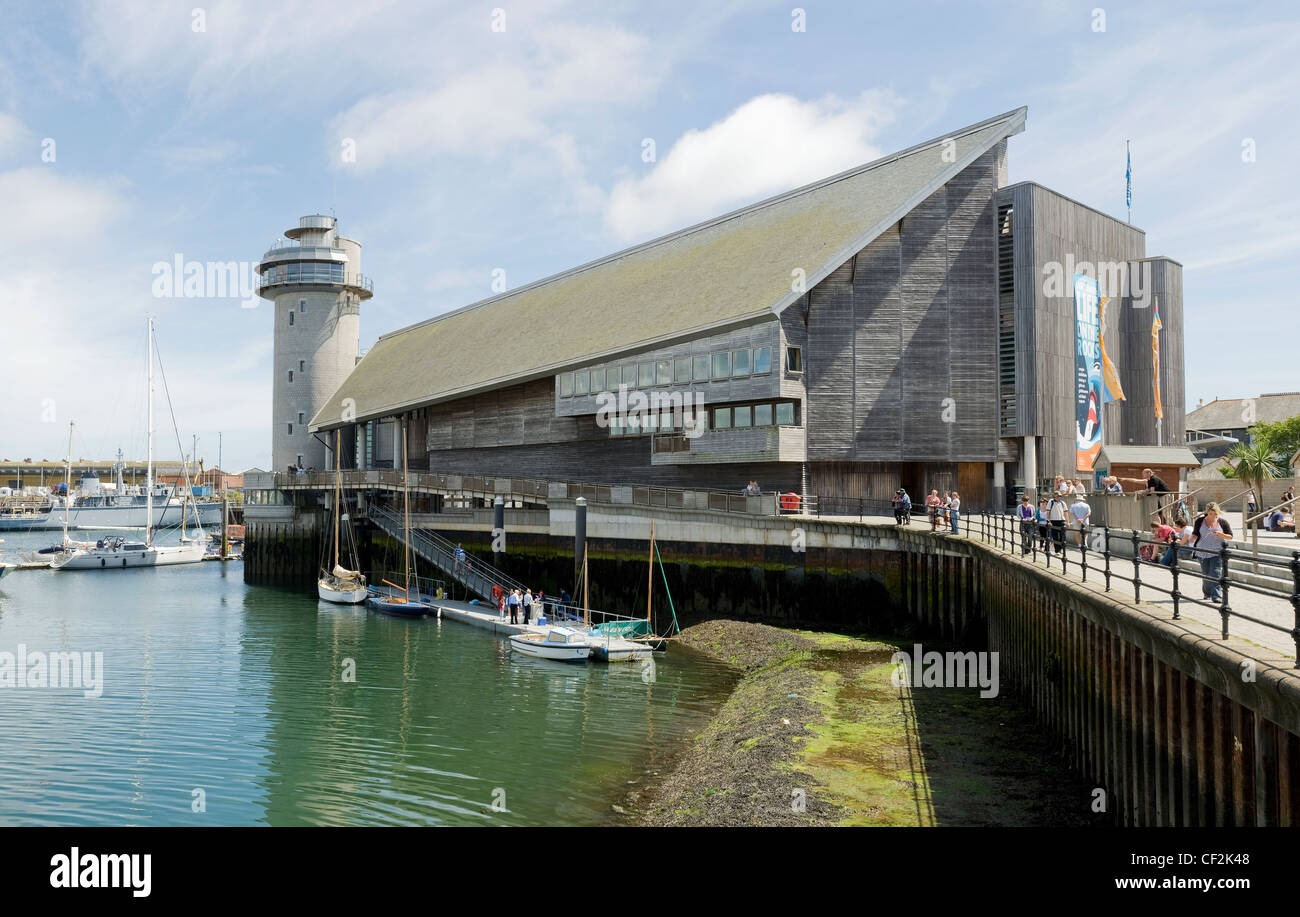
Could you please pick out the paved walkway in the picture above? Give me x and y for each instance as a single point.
(1260, 642)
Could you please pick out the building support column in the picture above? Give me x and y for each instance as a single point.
(1029, 467)
(999, 485)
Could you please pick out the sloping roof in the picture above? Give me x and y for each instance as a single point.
(723, 273)
(1147, 455)
(1226, 414)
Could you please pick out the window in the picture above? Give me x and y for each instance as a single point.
(566, 385)
(302, 366)
(793, 360)
(743, 416)
(291, 429)
(762, 415)
(598, 380)
(302, 305)
(740, 362)
(681, 370)
(721, 365)
(785, 413)
(615, 426)
(651, 423)
(580, 380)
(762, 360)
(302, 417)
(633, 425)
(629, 376)
(291, 375)
(700, 367)
(291, 318)
(663, 374)
(722, 418)
(645, 375)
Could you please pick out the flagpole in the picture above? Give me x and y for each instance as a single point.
(1128, 181)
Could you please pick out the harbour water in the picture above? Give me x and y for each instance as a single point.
(235, 701)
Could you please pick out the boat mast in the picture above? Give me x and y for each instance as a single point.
(338, 490)
(406, 517)
(67, 484)
(148, 470)
(650, 573)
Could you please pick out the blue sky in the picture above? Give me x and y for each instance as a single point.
(522, 150)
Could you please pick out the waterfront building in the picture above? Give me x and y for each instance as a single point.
(909, 322)
(1214, 428)
(317, 286)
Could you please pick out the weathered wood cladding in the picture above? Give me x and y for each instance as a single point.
(1050, 233)
(911, 323)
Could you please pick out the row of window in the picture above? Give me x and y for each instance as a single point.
(702, 367)
(736, 416)
(304, 272)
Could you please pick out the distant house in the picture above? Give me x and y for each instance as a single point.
(1214, 428)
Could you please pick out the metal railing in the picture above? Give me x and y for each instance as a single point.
(1009, 534)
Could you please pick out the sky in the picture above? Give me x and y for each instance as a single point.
(464, 142)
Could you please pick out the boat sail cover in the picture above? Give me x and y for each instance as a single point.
(344, 573)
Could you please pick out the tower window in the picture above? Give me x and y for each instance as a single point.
(302, 366)
(291, 375)
(302, 305)
(302, 417)
(291, 429)
(290, 316)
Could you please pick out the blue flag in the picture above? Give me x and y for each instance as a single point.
(1128, 181)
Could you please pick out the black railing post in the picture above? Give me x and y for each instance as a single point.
(1105, 552)
(1083, 554)
(1295, 602)
(859, 509)
(1175, 594)
(1137, 570)
(1224, 608)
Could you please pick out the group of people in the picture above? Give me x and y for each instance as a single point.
(522, 606)
(945, 510)
(1053, 516)
(1203, 539)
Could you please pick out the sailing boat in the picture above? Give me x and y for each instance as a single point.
(341, 585)
(117, 552)
(394, 604)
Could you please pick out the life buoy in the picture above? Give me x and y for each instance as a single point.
(789, 502)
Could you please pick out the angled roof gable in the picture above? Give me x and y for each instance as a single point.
(726, 272)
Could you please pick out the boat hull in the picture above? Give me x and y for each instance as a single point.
(342, 596)
(529, 645)
(132, 516)
(400, 609)
(111, 559)
(5, 569)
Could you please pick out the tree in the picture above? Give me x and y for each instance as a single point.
(1282, 437)
(1254, 464)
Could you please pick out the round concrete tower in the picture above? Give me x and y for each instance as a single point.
(317, 287)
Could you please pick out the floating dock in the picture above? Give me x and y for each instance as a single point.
(609, 649)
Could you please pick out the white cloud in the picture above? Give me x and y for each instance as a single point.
(45, 207)
(14, 136)
(770, 144)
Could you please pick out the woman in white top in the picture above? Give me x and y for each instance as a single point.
(954, 510)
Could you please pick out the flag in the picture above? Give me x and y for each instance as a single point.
(1155, 357)
(1111, 389)
(1128, 180)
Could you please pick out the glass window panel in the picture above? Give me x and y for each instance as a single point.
(721, 365)
(681, 370)
(645, 374)
(740, 362)
(700, 367)
(785, 413)
(566, 385)
(651, 423)
(598, 380)
(580, 380)
(663, 374)
(762, 360)
(629, 376)
(615, 427)
(722, 419)
(762, 415)
(633, 425)
(794, 359)
(743, 416)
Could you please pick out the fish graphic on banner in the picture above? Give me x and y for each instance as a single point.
(1111, 388)
(1087, 371)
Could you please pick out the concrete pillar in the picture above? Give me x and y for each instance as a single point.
(498, 530)
(999, 485)
(1029, 467)
(579, 543)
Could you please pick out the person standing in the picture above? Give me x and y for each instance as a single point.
(932, 504)
(1081, 513)
(954, 511)
(1040, 517)
(1210, 534)
(528, 605)
(1025, 513)
(1056, 512)
(1251, 506)
(513, 602)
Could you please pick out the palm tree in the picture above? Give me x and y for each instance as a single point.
(1254, 464)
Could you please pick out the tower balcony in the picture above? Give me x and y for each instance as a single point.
(300, 266)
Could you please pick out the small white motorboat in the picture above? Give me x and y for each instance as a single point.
(5, 568)
(563, 644)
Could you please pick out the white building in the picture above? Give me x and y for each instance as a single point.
(317, 287)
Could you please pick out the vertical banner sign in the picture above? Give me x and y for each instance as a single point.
(1087, 371)
(1111, 388)
(1155, 359)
